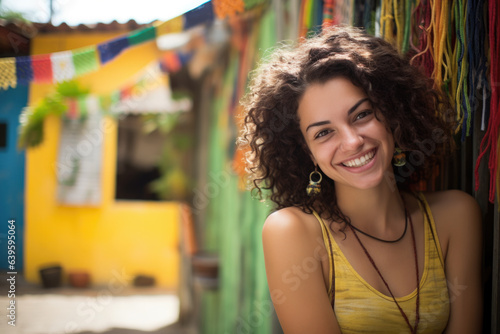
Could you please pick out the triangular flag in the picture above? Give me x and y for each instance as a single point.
(85, 60)
(113, 48)
(170, 27)
(24, 70)
(63, 68)
(8, 73)
(142, 35)
(199, 15)
(42, 68)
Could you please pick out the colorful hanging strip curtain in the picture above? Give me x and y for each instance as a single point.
(67, 65)
(328, 8)
(491, 137)
(456, 43)
(311, 17)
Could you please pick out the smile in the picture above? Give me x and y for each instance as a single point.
(361, 161)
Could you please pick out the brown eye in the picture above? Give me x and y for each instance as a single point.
(363, 114)
(322, 133)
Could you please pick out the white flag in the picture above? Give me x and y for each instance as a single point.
(62, 66)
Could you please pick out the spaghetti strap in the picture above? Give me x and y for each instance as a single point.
(424, 206)
(328, 244)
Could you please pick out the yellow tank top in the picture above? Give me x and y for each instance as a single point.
(360, 308)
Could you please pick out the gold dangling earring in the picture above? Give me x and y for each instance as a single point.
(399, 158)
(314, 187)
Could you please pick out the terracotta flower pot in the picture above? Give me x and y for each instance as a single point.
(79, 279)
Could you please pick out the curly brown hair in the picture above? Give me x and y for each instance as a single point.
(278, 159)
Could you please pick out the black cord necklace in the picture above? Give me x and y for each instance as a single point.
(383, 240)
(413, 329)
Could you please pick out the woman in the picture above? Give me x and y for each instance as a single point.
(339, 129)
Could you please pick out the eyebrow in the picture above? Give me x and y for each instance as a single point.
(350, 111)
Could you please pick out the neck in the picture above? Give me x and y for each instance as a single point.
(379, 210)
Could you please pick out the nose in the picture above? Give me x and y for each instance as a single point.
(351, 139)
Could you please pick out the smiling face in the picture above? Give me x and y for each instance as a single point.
(346, 140)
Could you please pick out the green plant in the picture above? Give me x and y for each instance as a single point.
(32, 118)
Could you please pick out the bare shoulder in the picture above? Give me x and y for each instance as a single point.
(291, 223)
(454, 207)
(457, 216)
(293, 250)
(288, 236)
(458, 222)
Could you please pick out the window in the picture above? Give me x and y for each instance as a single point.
(138, 155)
(3, 135)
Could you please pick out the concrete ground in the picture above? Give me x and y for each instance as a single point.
(131, 310)
(172, 329)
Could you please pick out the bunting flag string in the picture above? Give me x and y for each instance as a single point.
(8, 73)
(152, 77)
(67, 65)
(80, 103)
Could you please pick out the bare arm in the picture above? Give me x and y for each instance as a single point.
(295, 276)
(463, 264)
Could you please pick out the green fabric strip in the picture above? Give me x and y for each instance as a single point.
(85, 60)
(142, 36)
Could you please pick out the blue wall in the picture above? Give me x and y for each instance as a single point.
(12, 101)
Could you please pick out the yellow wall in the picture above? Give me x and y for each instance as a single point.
(125, 237)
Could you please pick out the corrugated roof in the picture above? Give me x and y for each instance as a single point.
(15, 34)
(112, 26)
(29, 30)
(19, 27)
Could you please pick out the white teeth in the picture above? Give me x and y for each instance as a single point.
(361, 161)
